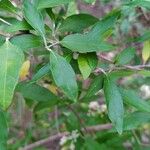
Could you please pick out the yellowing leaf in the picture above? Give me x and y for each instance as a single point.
(146, 51)
(53, 89)
(24, 72)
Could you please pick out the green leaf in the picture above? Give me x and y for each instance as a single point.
(72, 122)
(11, 61)
(95, 86)
(131, 97)
(64, 76)
(77, 23)
(145, 73)
(136, 119)
(3, 131)
(125, 56)
(84, 43)
(27, 41)
(114, 103)
(41, 73)
(36, 93)
(121, 73)
(17, 26)
(51, 13)
(94, 40)
(92, 60)
(101, 28)
(90, 1)
(139, 3)
(146, 51)
(33, 17)
(6, 5)
(143, 38)
(86, 64)
(51, 3)
(46, 104)
(91, 144)
(71, 8)
(2, 40)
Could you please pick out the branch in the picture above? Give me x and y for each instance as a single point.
(57, 137)
(98, 128)
(137, 67)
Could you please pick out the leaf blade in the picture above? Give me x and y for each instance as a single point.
(136, 119)
(36, 93)
(94, 40)
(8, 6)
(41, 73)
(26, 41)
(77, 23)
(51, 3)
(125, 56)
(146, 51)
(3, 131)
(130, 97)
(84, 67)
(11, 61)
(114, 104)
(64, 75)
(85, 44)
(33, 17)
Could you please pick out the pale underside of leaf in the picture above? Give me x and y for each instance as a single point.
(11, 59)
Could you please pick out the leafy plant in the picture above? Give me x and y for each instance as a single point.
(84, 80)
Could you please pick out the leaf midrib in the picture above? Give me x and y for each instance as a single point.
(5, 74)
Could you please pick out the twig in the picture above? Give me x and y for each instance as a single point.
(56, 43)
(145, 15)
(136, 137)
(98, 128)
(102, 70)
(57, 137)
(50, 139)
(4, 21)
(47, 47)
(105, 58)
(137, 67)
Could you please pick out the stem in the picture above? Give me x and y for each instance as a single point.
(53, 44)
(102, 70)
(136, 137)
(137, 67)
(47, 47)
(105, 58)
(4, 21)
(57, 137)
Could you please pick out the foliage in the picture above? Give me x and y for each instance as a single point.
(74, 74)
